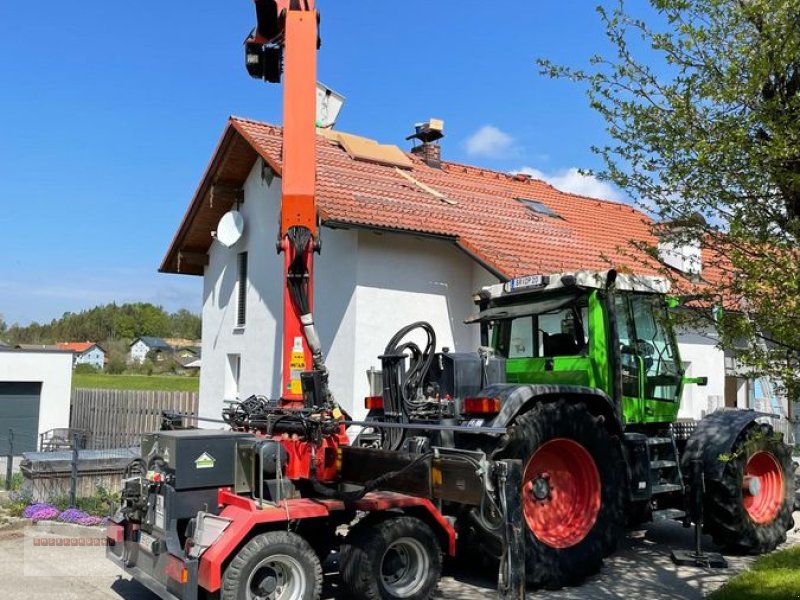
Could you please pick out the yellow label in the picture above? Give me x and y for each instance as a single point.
(297, 364)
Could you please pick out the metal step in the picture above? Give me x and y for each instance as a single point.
(661, 464)
(658, 441)
(668, 513)
(666, 487)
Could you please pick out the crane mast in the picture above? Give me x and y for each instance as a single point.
(284, 46)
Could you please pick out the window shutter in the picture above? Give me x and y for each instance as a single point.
(241, 307)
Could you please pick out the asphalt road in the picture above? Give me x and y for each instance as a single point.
(641, 569)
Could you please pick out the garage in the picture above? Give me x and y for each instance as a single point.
(19, 415)
(34, 395)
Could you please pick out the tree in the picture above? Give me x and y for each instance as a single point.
(185, 324)
(702, 104)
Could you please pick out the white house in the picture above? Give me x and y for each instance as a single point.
(405, 237)
(85, 353)
(34, 395)
(144, 345)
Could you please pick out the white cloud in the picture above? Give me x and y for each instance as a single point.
(571, 180)
(490, 142)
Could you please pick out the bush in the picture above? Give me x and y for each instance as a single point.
(85, 369)
(116, 366)
(16, 482)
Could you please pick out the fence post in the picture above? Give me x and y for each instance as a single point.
(10, 459)
(73, 480)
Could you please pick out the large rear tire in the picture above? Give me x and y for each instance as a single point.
(572, 493)
(392, 559)
(749, 509)
(277, 565)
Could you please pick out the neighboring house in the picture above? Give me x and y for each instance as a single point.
(189, 363)
(85, 353)
(405, 237)
(34, 395)
(187, 352)
(143, 346)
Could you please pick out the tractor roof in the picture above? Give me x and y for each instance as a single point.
(538, 284)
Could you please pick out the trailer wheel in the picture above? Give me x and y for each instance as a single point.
(277, 565)
(572, 493)
(749, 509)
(399, 557)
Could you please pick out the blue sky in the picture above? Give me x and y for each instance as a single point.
(109, 113)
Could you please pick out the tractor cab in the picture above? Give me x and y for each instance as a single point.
(584, 329)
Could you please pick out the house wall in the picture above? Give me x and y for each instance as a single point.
(367, 286)
(702, 358)
(138, 352)
(94, 357)
(54, 370)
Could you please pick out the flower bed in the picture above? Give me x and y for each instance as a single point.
(47, 512)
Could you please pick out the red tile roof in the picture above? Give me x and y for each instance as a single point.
(483, 215)
(79, 347)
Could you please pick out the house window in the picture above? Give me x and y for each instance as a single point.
(232, 376)
(241, 305)
(540, 208)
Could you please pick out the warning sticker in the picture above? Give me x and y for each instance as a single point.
(204, 461)
(297, 364)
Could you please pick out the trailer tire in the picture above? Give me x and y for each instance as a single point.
(752, 524)
(271, 560)
(586, 460)
(396, 558)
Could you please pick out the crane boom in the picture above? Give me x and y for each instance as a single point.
(287, 34)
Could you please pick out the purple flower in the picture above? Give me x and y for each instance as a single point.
(40, 512)
(90, 520)
(72, 515)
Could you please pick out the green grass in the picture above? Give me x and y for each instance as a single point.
(167, 383)
(772, 577)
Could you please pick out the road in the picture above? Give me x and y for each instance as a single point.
(641, 569)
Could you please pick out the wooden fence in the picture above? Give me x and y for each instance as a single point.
(118, 418)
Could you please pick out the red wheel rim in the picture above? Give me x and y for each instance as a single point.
(763, 487)
(561, 493)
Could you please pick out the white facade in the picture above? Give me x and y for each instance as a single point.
(702, 358)
(367, 286)
(51, 368)
(138, 352)
(93, 356)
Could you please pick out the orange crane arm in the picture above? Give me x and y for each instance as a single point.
(285, 41)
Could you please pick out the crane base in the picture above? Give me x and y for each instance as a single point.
(690, 558)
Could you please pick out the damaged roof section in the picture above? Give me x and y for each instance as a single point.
(478, 209)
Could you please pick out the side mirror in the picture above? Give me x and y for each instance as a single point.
(701, 381)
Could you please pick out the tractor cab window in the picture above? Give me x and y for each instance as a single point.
(628, 358)
(550, 328)
(655, 348)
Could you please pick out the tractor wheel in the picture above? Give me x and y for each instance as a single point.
(277, 565)
(572, 492)
(396, 558)
(750, 508)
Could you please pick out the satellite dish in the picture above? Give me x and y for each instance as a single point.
(230, 228)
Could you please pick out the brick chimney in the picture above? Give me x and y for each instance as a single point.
(430, 152)
(429, 133)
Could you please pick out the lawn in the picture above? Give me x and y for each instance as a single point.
(772, 577)
(167, 383)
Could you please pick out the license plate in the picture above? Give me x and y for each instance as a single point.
(525, 282)
(146, 541)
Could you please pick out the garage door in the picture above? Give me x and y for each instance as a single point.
(19, 412)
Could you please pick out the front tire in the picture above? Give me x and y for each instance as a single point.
(572, 494)
(277, 565)
(749, 509)
(397, 558)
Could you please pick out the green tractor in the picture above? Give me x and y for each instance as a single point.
(582, 372)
